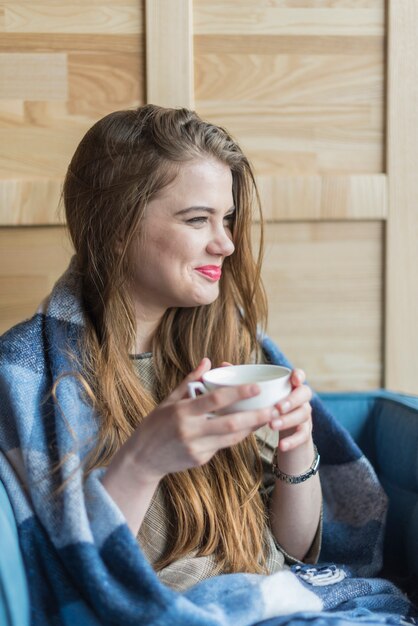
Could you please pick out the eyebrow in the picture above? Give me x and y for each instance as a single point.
(207, 209)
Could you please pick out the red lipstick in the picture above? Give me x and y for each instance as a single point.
(211, 271)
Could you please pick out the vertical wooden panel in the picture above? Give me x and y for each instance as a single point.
(401, 354)
(169, 51)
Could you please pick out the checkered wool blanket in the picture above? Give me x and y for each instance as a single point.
(83, 564)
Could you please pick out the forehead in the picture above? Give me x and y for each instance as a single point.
(201, 182)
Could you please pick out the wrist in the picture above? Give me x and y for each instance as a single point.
(296, 460)
(129, 466)
(296, 478)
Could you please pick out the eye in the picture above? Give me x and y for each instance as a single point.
(229, 219)
(197, 220)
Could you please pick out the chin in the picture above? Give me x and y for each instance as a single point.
(202, 300)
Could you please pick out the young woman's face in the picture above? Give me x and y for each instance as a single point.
(186, 235)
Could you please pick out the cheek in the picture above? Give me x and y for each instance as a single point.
(168, 248)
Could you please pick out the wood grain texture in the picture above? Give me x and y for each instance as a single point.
(169, 53)
(35, 76)
(324, 286)
(30, 202)
(32, 152)
(299, 100)
(288, 44)
(401, 347)
(74, 42)
(31, 260)
(101, 83)
(304, 138)
(62, 66)
(232, 18)
(60, 17)
(281, 78)
(286, 198)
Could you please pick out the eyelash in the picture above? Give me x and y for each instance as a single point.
(203, 219)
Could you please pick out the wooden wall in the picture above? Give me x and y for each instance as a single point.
(63, 65)
(302, 84)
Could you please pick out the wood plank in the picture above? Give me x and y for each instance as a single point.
(169, 53)
(63, 18)
(287, 198)
(34, 76)
(325, 292)
(101, 83)
(31, 260)
(401, 348)
(284, 79)
(74, 42)
(288, 44)
(12, 112)
(89, 3)
(24, 202)
(230, 18)
(35, 152)
(305, 139)
(296, 4)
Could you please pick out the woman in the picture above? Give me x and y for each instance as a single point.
(159, 207)
(102, 452)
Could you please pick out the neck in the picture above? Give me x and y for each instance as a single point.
(146, 325)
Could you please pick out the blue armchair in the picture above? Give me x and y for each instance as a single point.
(384, 424)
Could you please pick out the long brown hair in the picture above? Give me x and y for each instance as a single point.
(122, 162)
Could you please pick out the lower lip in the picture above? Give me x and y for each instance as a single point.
(210, 274)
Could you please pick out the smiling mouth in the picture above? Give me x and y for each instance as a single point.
(214, 272)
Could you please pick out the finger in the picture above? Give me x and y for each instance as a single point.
(297, 377)
(296, 398)
(295, 440)
(181, 391)
(237, 422)
(219, 399)
(291, 420)
(217, 443)
(225, 364)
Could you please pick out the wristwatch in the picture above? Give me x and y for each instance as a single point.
(295, 480)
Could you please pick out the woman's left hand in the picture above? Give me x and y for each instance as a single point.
(294, 419)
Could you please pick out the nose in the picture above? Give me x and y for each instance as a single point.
(221, 243)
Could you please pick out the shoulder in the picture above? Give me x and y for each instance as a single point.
(23, 344)
(271, 352)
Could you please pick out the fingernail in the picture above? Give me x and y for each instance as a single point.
(284, 445)
(275, 412)
(284, 407)
(254, 389)
(277, 423)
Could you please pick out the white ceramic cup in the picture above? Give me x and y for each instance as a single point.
(273, 381)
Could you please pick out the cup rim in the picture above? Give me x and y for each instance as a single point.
(207, 377)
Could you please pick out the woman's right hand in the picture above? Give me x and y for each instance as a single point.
(178, 435)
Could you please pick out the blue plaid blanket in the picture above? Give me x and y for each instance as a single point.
(83, 564)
